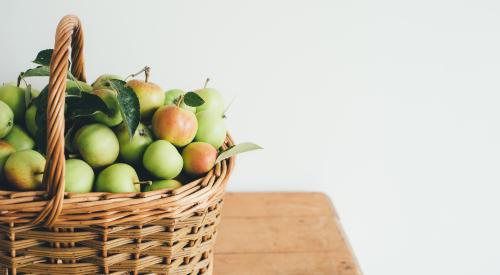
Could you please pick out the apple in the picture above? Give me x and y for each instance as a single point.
(171, 97)
(163, 184)
(97, 144)
(15, 98)
(78, 86)
(213, 101)
(162, 160)
(5, 151)
(30, 120)
(132, 149)
(34, 92)
(175, 125)
(100, 82)
(117, 178)
(79, 176)
(19, 139)
(109, 98)
(199, 158)
(150, 95)
(211, 128)
(24, 170)
(6, 119)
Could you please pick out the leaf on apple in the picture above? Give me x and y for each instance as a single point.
(84, 105)
(43, 58)
(128, 103)
(193, 99)
(237, 149)
(38, 71)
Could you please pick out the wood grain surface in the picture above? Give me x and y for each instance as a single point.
(282, 233)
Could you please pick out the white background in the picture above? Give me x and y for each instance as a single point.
(390, 107)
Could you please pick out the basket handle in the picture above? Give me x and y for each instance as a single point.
(69, 37)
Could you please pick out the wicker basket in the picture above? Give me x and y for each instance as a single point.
(52, 232)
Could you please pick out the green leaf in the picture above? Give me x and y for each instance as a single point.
(38, 71)
(237, 149)
(43, 57)
(84, 105)
(193, 99)
(128, 103)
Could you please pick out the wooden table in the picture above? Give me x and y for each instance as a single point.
(281, 233)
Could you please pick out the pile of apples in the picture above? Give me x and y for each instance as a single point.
(173, 143)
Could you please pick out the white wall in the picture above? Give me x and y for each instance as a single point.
(390, 107)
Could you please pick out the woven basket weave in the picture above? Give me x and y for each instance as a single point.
(157, 232)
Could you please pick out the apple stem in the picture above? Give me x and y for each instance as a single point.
(206, 82)
(146, 70)
(180, 100)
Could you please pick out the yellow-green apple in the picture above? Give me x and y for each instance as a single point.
(5, 151)
(114, 117)
(34, 92)
(6, 119)
(15, 98)
(20, 139)
(211, 128)
(78, 85)
(150, 95)
(30, 119)
(118, 178)
(199, 158)
(162, 160)
(163, 184)
(213, 101)
(97, 144)
(79, 176)
(174, 124)
(101, 81)
(24, 170)
(173, 96)
(132, 149)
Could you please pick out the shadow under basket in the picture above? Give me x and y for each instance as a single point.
(156, 232)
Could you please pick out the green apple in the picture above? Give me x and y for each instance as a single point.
(77, 86)
(117, 178)
(132, 149)
(163, 184)
(211, 128)
(19, 139)
(15, 98)
(24, 170)
(6, 119)
(150, 95)
(30, 120)
(213, 101)
(162, 160)
(199, 158)
(97, 144)
(171, 97)
(5, 151)
(175, 125)
(114, 117)
(79, 176)
(101, 81)
(35, 92)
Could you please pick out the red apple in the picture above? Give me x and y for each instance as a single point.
(199, 158)
(174, 124)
